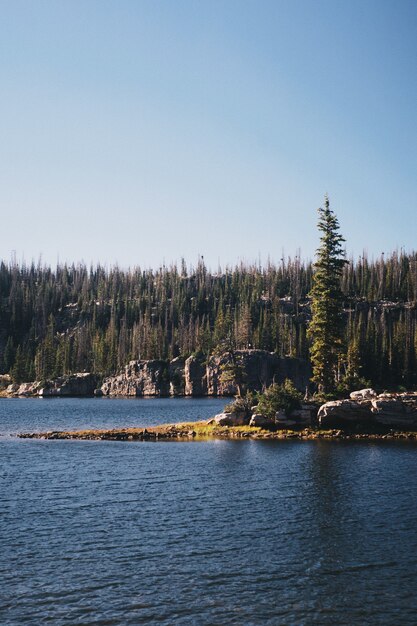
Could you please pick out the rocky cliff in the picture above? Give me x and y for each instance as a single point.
(191, 377)
(196, 377)
(259, 370)
(139, 378)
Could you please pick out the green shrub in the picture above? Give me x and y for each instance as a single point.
(242, 404)
(279, 398)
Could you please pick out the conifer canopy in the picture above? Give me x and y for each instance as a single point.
(326, 328)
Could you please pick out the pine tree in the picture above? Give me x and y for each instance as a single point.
(326, 326)
(18, 371)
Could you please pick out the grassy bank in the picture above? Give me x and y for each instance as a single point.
(203, 431)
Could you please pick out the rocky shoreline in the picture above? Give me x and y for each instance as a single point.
(195, 376)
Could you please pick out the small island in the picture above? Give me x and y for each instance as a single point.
(279, 414)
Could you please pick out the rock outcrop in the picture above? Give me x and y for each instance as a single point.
(259, 368)
(261, 421)
(363, 394)
(230, 419)
(81, 384)
(299, 418)
(191, 377)
(176, 377)
(394, 410)
(196, 377)
(139, 378)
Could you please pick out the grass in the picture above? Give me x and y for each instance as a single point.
(203, 430)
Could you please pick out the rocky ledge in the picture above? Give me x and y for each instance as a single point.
(367, 409)
(81, 384)
(194, 376)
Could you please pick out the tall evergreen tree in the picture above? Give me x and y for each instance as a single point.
(326, 329)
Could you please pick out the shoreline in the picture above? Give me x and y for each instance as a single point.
(199, 431)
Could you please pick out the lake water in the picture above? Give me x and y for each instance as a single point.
(200, 533)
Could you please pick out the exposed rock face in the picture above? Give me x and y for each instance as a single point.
(23, 389)
(195, 377)
(299, 418)
(344, 411)
(392, 410)
(82, 384)
(176, 377)
(139, 378)
(260, 369)
(396, 410)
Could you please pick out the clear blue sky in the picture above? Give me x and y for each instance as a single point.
(145, 131)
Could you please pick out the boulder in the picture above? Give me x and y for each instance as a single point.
(12, 389)
(363, 394)
(261, 421)
(344, 411)
(230, 419)
(396, 410)
(393, 410)
(28, 389)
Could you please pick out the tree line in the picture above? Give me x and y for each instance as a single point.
(78, 318)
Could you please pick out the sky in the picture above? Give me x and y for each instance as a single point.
(142, 132)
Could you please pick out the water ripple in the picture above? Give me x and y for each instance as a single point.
(223, 533)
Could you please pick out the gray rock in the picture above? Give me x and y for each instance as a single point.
(303, 416)
(231, 419)
(176, 377)
(261, 369)
(12, 389)
(139, 378)
(195, 377)
(261, 421)
(363, 394)
(285, 423)
(282, 420)
(399, 410)
(390, 410)
(348, 411)
(80, 384)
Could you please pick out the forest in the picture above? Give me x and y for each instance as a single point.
(75, 318)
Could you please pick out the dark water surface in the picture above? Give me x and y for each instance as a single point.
(210, 533)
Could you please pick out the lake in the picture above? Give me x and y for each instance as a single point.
(200, 532)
